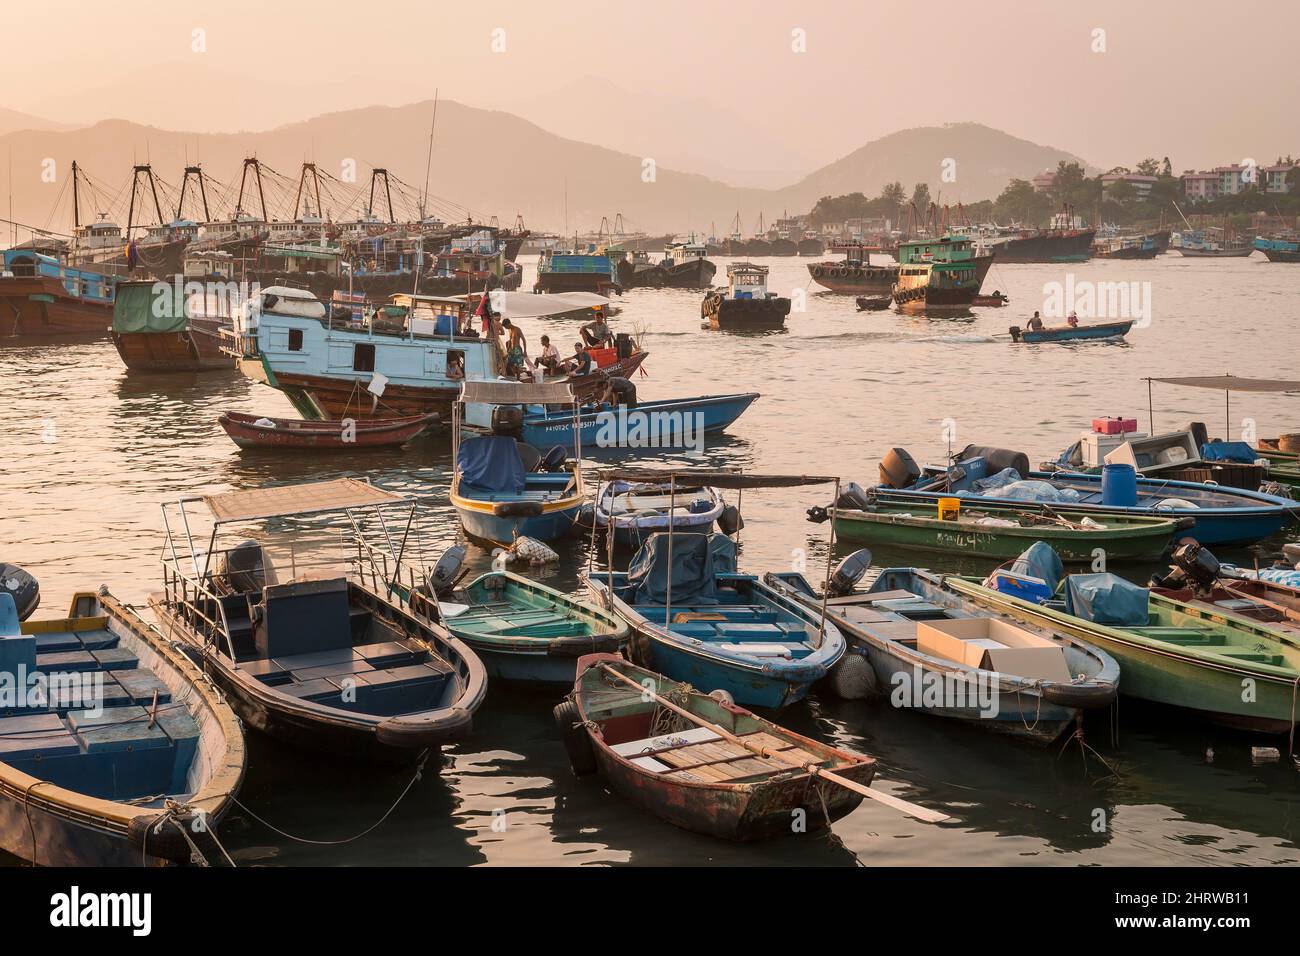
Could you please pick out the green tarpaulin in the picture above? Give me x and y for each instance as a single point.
(149, 307)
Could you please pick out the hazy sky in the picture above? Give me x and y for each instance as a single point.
(1200, 81)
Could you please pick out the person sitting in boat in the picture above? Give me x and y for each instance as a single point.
(1036, 323)
(550, 357)
(596, 333)
(455, 366)
(580, 362)
(1073, 319)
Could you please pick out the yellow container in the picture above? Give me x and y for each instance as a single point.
(949, 509)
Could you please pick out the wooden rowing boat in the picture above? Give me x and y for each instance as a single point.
(691, 775)
(1007, 532)
(525, 631)
(129, 756)
(260, 432)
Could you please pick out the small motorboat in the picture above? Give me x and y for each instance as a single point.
(260, 432)
(695, 619)
(636, 425)
(1005, 533)
(874, 303)
(119, 751)
(504, 489)
(635, 510)
(1267, 595)
(994, 301)
(918, 636)
(21, 585)
(701, 763)
(522, 630)
(1182, 655)
(1071, 333)
(305, 653)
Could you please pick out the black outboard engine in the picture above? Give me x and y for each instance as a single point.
(22, 586)
(848, 573)
(624, 391)
(448, 571)
(243, 568)
(898, 469)
(852, 498)
(1193, 567)
(554, 459)
(508, 420)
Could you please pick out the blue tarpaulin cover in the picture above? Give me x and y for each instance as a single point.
(1040, 561)
(1228, 451)
(696, 561)
(491, 463)
(1107, 599)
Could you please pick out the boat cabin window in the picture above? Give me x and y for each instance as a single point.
(295, 340)
(363, 357)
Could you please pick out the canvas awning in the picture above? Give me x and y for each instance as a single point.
(503, 392)
(307, 497)
(710, 477)
(149, 307)
(1233, 383)
(529, 305)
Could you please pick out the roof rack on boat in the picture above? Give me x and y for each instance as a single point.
(714, 477)
(1225, 383)
(507, 392)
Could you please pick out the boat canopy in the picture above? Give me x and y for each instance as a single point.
(711, 477)
(530, 305)
(505, 392)
(1233, 383)
(149, 307)
(311, 497)
(491, 463)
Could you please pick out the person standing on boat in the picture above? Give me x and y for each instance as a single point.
(1036, 323)
(596, 333)
(516, 348)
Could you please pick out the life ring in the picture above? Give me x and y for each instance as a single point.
(817, 272)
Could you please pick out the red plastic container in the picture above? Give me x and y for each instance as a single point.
(1114, 426)
(603, 357)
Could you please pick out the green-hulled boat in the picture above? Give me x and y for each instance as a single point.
(1221, 667)
(525, 631)
(1075, 536)
(1283, 466)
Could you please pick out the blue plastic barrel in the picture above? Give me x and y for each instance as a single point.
(1119, 485)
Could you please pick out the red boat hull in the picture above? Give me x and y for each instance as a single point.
(41, 305)
(292, 433)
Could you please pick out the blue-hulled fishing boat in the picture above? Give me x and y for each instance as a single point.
(695, 619)
(667, 423)
(1000, 479)
(115, 750)
(503, 489)
(1071, 333)
(306, 652)
(928, 648)
(1279, 248)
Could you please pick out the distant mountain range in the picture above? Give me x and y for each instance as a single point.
(495, 163)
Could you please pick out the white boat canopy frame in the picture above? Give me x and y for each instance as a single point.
(1228, 384)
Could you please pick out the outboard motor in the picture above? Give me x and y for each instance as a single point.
(1197, 565)
(22, 586)
(898, 469)
(554, 459)
(508, 420)
(243, 568)
(730, 521)
(852, 498)
(448, 571)
(624, 391)
(848, 573)
(1015, 333)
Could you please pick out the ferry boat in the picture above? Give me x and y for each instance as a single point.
(41, 294)
(685, 265)
(746, 305)
(936, 274)
(590, 270)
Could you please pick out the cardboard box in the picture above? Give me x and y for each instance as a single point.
(971, 641)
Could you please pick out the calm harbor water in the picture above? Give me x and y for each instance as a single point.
(90, 452)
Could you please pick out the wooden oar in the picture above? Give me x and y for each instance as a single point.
(904, 806)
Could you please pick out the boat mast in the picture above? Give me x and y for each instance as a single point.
(197, 172)
(257, 175)
(388, 192)
(428, 161)
(76, 201)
